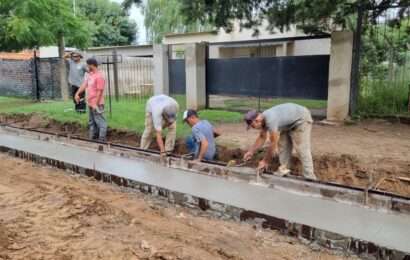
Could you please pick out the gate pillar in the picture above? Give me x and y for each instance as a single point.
(195, 60)
(340, 66)
(161, 77)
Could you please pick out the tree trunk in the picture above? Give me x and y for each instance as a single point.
(63, 69)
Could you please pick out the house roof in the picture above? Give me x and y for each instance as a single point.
(170, 35)
(23, 55)
(120, 47)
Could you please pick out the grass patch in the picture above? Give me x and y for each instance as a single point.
(127, 114)
(383, 98)
(242, 104)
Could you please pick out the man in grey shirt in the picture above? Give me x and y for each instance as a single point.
(202, 141)
(76, 73)
(161, 112)
(287, 126)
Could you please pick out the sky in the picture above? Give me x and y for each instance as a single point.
(138, 17)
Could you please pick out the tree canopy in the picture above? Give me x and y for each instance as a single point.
(312, 16)
(32, 23)
(165, 16)
(109, 24)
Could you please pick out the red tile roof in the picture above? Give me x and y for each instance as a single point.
(23, 55)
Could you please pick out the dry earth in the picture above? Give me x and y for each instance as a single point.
(49, 214)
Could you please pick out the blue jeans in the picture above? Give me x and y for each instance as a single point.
(193, 147)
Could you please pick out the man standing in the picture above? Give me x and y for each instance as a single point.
(161, 112)
(76, 73)
(287, 126)
(94, 84)
(202, 142)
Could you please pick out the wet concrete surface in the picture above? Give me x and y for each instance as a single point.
(388, 229)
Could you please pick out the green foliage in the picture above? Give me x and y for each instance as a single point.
(165, 16)
(383, 98)
(312, 16)
(31, 23)
(108, 22)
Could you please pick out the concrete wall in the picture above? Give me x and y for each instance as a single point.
(311, 47)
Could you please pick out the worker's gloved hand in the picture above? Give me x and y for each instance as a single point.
(247, 156)
(263, 165)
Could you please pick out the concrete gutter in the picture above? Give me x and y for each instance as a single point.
(382, 220)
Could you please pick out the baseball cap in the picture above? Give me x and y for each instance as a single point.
(92, 61)
(188, 113)
(170, 113)
(249, 117)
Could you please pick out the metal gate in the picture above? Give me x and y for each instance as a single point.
(257, 74)
(291, 77)
(177, 76)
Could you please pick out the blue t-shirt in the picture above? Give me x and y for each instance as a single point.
(204, 130)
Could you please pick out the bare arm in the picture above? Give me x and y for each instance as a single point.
(258, 144)
(204, 148)
(273, 146)
(79, 91)
(160, 142)
(259, 141)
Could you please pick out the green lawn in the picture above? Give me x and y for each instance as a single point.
(127, 114)
(242, 104)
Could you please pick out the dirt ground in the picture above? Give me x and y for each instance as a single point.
(371, 153)
(49, 214)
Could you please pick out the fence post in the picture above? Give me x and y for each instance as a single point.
(36, 76)
(340, 66)
(115, 61)
(161, 76)
(195, 55)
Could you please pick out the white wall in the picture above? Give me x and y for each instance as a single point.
(312, 47)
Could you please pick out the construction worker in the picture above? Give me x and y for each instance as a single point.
(202, 141)
(287, 126)
(77, 70)
(94, 83)
(160, 112)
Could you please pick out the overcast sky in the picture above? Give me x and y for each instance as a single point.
(137, 16)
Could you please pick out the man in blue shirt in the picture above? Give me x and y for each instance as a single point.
(202, 142)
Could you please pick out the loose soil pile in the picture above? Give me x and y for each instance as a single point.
(360, 156)
(47, 214)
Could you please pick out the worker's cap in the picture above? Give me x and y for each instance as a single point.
(250, 116)
(92, 61)
(170, 114)
(188, 113)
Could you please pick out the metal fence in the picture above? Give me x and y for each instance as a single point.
(384, 68)
(131, 78)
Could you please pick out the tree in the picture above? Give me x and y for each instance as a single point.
(34, 23)
(164, 16)
(312, 16)
(109, 23)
